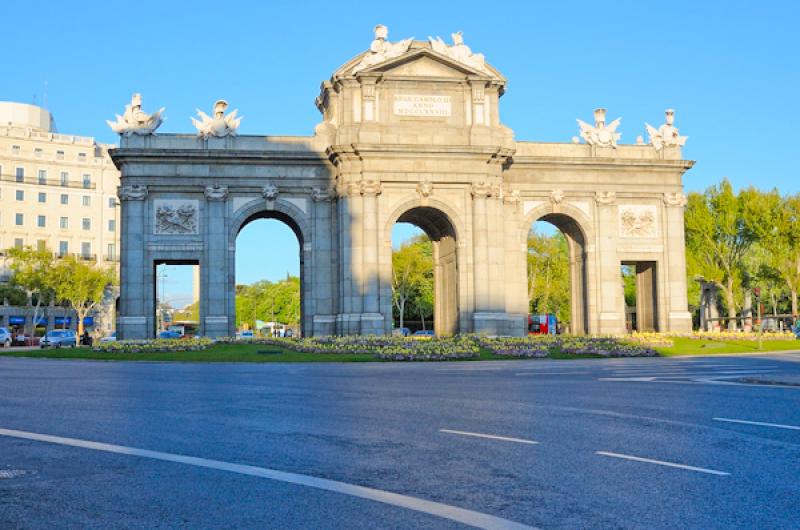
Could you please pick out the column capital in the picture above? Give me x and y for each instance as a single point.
(134, 192)
(216, 192)
(677, 200)
(605, 197)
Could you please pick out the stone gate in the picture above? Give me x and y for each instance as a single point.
(410, 132)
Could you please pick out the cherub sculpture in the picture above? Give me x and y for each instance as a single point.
(135, 121)
(667, 135)
(601, 135)
(220, 125)
(458, 51)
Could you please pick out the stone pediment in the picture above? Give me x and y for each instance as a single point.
(420, 61)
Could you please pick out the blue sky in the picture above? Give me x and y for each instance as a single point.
(730, 69)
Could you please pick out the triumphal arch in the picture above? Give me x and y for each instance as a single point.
(411, 131)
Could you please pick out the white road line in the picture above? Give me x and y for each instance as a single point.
(490, 436)
(550, 373)
(633, 379)
(661, 463)
(760, 423)
(453, 513)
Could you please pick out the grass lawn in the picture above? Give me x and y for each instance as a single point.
(684, 346)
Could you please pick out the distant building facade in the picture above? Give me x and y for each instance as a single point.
(57, 191)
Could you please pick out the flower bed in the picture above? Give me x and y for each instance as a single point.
(538, 346)
(723, 336)
(382, 347)
(649, 339)
(153, 345)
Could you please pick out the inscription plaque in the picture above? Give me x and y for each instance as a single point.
(419, 105)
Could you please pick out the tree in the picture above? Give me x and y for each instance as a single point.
(549, 275)
(717, 239)
(412, 276)
(82, 285)
(268, 301)
(32, 269)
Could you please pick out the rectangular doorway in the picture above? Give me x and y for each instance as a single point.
(640, 295)
(176, 292)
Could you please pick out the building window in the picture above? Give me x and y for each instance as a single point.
(19, 219)
(63, 248)
(19, 176)
(86, 249)
(86, 200)
(18, 242)
(87, 223)
(112, 225)
(87, 180)
(42, 197)
(60, 155)
(64, 198)
(112, 202)
(82, 157)
(41, 221)
(41, 244)
(37, 152)
(63, 223)
(64, 178)
(42, 177)
(112, 252)
(20, 195)
(14, 149)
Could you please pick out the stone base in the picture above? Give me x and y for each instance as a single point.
(679, 321)
(216, 326)
(499, 324)
(131, 327)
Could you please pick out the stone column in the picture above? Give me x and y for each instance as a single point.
(611, 300)
(215, 269)
(135, 318)
(350, 236)
(677, 312)
(371, 318)
(324, 288)
(516, 265)
(482, 316)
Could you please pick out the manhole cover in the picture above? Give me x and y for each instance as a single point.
(12, 473)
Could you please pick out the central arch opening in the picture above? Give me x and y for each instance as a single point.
(425, 270)
(268, 276)
(557, 275)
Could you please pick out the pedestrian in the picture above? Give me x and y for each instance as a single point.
(796, 325)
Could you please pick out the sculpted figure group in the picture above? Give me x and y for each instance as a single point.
(606, 135)
(135, 121)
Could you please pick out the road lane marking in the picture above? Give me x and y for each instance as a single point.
(445, 511)
(551, 373)
(490, 436)
(760, 423)
(662, 463)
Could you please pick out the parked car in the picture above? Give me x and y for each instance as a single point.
(245, 334)
(20, 339)
(57, 338)
(5, 338)
(169, 334)
(110, 338)
(424, 333)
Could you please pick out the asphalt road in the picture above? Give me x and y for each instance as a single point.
(628, 443)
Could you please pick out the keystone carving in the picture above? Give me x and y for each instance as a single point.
(557, 196)
(425, 189)
(270, 191)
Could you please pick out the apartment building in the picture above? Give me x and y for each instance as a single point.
(57, 191)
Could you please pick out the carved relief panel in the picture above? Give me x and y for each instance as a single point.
(638, 220)
(175, 217)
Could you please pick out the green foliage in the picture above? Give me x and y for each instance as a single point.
(190, 313)
(268, 301)
(745, 241)
(81, 284)
(629, 284)
(549, 275)
(13, 293)
(412, 280)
